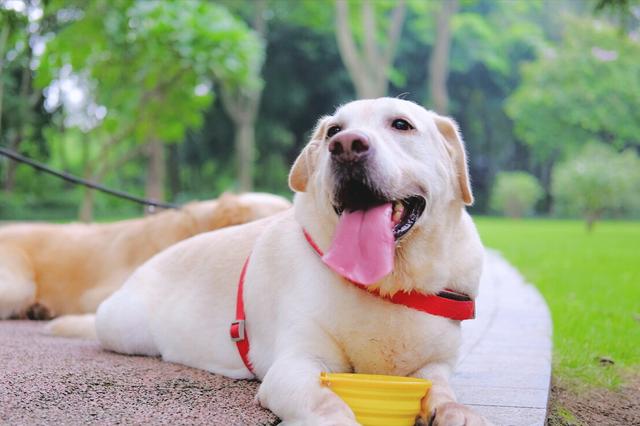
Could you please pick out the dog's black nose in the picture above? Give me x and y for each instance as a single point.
(349, 146)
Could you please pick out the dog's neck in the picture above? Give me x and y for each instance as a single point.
(309, 214)
(417, 265)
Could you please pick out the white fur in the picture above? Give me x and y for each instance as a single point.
(302, 318)
(17, 289)
(82, 326)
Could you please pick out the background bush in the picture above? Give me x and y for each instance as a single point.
(598, 182)
(515, 194)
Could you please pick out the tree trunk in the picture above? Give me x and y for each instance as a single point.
(156, 171)
(244, 145)
(242, 107)
(439, 61)
(4, 37)
(546, 170)
(349, 52)
(96, 173)
(370, 64)
(24, 114)
(85, 213)
(591, 221)
(173, 169)
(86, 207)
(592, 217)
(10, 173)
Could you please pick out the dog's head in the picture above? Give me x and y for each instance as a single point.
(372, 152)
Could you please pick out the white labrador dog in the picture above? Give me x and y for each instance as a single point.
(381, 188)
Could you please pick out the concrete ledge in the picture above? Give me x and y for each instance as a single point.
(503, 372)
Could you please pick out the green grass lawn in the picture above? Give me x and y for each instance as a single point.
(591, 283)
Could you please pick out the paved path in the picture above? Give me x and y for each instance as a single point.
(504, 369)
(503, 372)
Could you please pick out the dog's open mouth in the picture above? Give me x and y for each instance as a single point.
(364, 241)
(404, 214)
(369, 227)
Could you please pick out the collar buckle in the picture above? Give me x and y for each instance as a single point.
(237, 331)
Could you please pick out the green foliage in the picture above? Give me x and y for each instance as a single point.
(37, 196)
(622, 10)
(145, 59)
(590, 282)
(317, 16)
(142, 60)
(14, 58)
(515, 193)
(598, 181)
(493, 38)
(305, 78)
(490, 40)
(580, 90)
(150, 65)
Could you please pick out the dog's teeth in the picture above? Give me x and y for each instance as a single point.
(398, 210)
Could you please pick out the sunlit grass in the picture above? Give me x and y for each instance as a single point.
(591, 282)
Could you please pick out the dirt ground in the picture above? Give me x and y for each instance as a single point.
(46, 380)
(595, 406)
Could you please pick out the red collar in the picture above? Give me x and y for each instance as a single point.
(238, 331)
(447, 303)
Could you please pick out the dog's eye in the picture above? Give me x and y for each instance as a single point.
(333, 130)
(400, 124)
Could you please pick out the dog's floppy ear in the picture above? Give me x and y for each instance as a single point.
(455, 146)
(303, 166)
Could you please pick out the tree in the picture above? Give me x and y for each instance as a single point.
(6, 18)
(369, 64)
(515, 193)
(17, 95)
(489, 41)
(439, 59)
(580, 91)
(241, 103)
(596, 182)
(621, 9)
(150, 65)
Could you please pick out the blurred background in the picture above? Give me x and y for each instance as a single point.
(181, 100)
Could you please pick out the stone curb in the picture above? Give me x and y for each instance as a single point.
(504, 369)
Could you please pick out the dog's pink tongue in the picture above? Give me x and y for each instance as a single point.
(363, 245)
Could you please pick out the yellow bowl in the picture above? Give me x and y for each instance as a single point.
(378, 400)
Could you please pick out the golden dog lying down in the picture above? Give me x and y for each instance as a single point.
(379, 212)
(71, 268)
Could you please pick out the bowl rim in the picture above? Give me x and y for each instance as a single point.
(372, 379)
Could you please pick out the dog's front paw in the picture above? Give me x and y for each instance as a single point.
(321, 421)
(326, 409)
(454, 414)
(314, 421)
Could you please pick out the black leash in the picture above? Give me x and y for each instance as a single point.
(79, 181)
